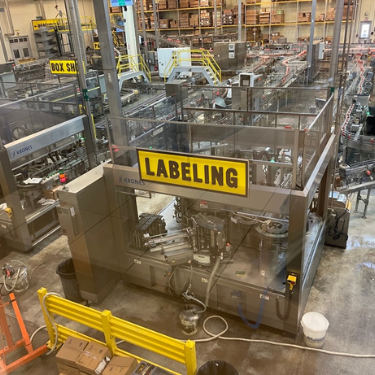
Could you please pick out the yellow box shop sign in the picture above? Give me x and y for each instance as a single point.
(37, 24)
(63, 67)
(222, 175)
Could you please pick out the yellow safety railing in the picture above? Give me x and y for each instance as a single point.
(134, 63)
(87, 23)
(113, 329)
(199, 57)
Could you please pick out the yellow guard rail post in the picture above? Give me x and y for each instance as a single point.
(114, 328)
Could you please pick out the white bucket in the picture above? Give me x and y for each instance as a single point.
(315, 327)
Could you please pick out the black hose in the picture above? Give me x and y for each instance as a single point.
(286, 317)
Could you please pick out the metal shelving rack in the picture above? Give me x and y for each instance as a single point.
(271, 26)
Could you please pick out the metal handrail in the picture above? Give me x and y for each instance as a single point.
(87, 23)
(134, 63)
(205, 59)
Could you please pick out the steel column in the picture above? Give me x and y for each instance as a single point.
(80, 55)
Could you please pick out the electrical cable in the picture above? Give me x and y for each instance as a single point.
(334, 232)
(172, 289)
(36, 331)
(260, 313)
(278, 313)
(31, 273)
(50, 319)
(259, 341)
(190, 297)
(13, 287)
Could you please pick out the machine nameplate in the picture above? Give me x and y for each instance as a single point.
(222, 175)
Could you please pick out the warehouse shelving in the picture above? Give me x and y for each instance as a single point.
(292, 26)
(290, 9)
(177, 12)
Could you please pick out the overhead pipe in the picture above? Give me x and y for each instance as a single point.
(311, 41)
(3, 45)
(10, 22)
(335, 44)
(42, 11)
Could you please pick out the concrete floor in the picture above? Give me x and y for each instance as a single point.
(342, 291)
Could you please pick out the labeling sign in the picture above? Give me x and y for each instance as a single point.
(63, 67)
(96, 45)
(37, 24)
(222, 175)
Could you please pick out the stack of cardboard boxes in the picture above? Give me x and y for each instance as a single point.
(252, 17)
(140, 23)
(162, 4)
(206, 18)
(228, 17)
(194, 20)
(205, 3)
(152, 22)
(146, 5)
(254, 34)
(236, 14)
(304, 17)
(82, 357)
(172, 4)
(194, 3)
(264, 16)
(320, 18)
(184, 3)
(184, 20)
(278, 38)
(330, 16)
(277, 16)
(164, 24)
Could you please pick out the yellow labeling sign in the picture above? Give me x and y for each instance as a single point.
(63, 67)
(96, 45)
(37, 24)
(222, 175)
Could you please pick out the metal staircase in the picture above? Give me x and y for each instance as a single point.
(129, 67)
(199, 61)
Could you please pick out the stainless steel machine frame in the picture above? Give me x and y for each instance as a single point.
(235, 282)
(31, 130)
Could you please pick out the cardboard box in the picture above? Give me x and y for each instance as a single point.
(121, 366)
(67, 370)
(52, 193)
(70, 351)
(94, 358)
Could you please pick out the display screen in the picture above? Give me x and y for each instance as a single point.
(365, 30)
(119, 3)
